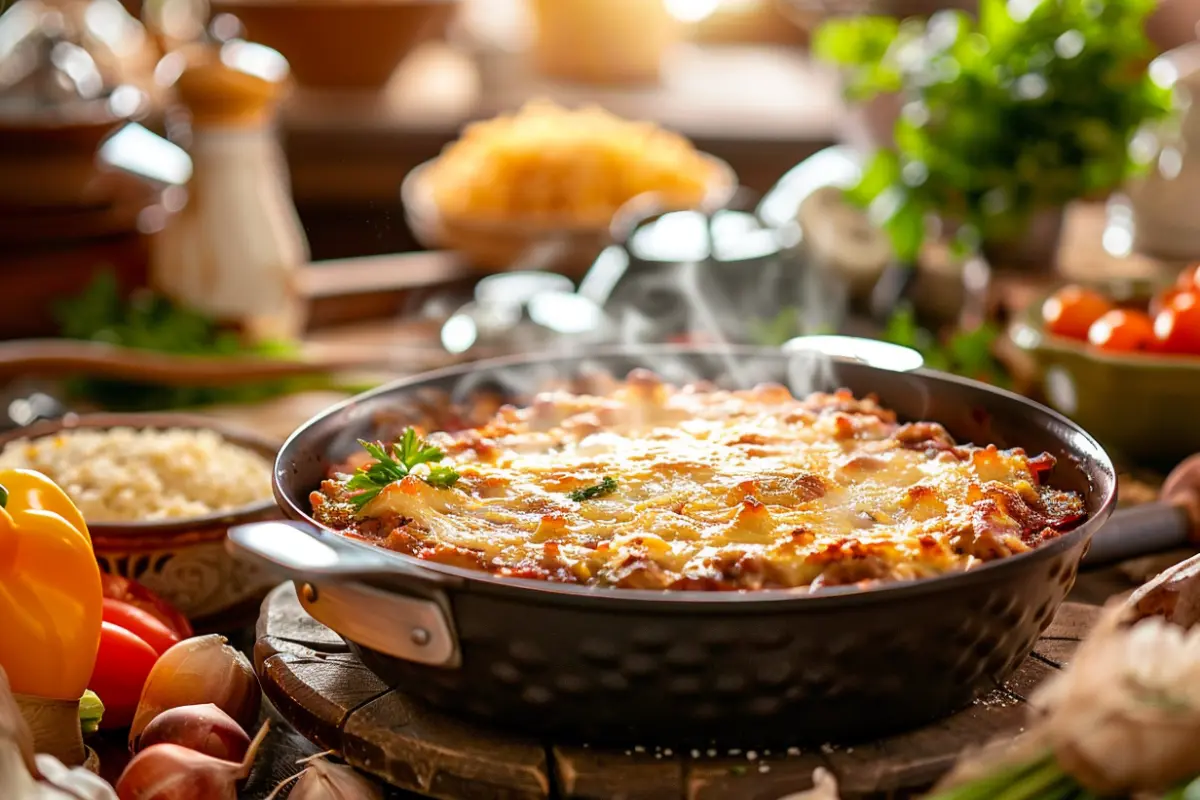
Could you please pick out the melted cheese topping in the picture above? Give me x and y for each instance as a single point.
(713, 490)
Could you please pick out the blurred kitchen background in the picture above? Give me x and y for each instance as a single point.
(221, 203)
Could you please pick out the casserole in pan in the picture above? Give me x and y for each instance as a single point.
(598, 663)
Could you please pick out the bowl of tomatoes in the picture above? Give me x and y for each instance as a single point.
(1128, 370)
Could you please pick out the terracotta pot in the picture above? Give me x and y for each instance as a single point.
(184, 561)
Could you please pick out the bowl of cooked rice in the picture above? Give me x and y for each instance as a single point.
(159, 492)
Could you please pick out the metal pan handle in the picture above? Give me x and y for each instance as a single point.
(329, 575)
(305, 552)
(1138, 531)
(1173, 521)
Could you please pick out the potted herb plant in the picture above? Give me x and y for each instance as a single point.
(1005, 118)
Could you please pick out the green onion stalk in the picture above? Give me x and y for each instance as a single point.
(1041, 779)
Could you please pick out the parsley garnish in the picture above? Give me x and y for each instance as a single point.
(606, 486)
(405, 454)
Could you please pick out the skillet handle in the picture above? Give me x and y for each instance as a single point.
(305, 551)
(410, 620)
(1173, 521)
(1138, 531)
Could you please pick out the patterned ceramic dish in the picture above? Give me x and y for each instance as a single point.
(1136, 405)
(184, 560)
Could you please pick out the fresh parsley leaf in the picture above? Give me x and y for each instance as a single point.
(606, 486)
(396, 464)
(442, 477)
(415, 451)
(145, 320)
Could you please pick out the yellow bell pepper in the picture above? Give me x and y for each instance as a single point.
(51, 600)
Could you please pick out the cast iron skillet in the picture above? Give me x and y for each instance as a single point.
(687, 668)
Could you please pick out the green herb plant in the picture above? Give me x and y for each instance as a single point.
(393, 465)
(1032, 105)
(964, 352)
(606, 486)
(148, 321)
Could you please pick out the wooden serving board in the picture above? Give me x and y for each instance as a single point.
(331, 698)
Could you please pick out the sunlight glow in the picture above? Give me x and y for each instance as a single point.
(691, 10)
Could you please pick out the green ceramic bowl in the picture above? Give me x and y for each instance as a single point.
(1143, 408)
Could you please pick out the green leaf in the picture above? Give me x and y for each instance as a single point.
(881, 173)
(861, 45)
(855, 41)
(777, 330)
(442, 477)
(409, 451)
(995, 23)
(148, 321)
(905, 225)
(606, 486)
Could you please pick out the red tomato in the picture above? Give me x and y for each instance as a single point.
(1121, 330)
(1071, 311)
(130, 591)
(140, 623)
(1177, 327)
(1164, 298)
(123, 663)
(1189, 278)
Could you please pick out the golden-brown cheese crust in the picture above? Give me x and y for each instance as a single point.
(714, 490)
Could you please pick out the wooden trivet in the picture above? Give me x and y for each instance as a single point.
(330, 697)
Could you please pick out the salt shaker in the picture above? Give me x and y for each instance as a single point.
(234, 249)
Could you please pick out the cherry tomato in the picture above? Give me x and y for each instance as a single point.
(1072, 309)
(130, 591)
(1189, 278)
(1177, 327)
(1121, 330)
(1164, 298)
(140, 623)
(123, 663)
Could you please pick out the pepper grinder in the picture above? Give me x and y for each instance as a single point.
(234, 247)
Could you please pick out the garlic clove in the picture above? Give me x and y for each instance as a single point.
(825, 787)
(322, 779)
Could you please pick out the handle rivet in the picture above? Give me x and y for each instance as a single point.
(420, 637)
(309, 593)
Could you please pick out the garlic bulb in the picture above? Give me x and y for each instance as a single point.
(77, 782)
(1125, 715)
(322, 779)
